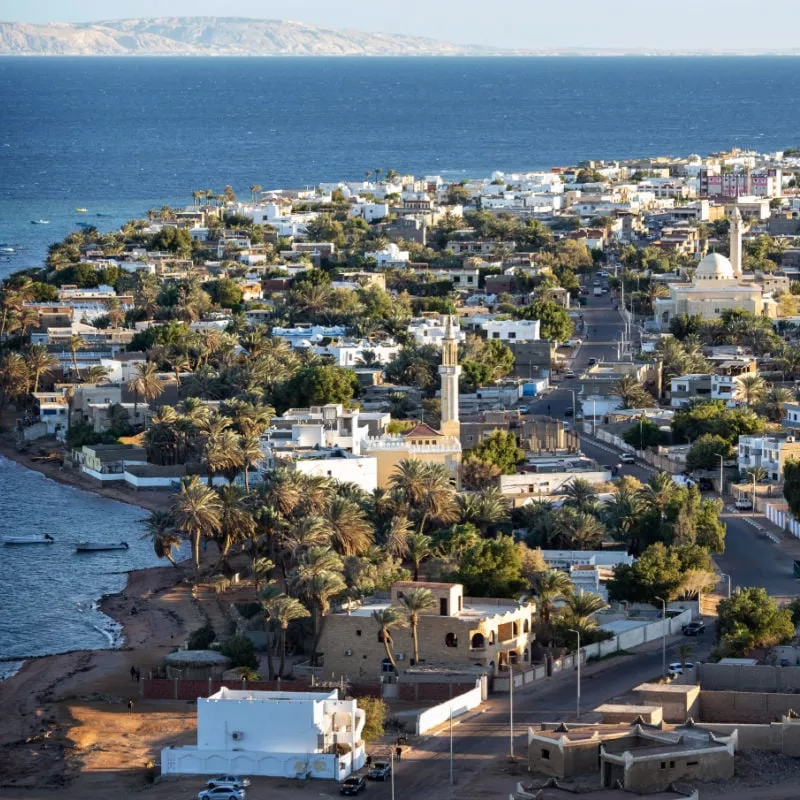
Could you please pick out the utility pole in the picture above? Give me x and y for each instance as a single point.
(721, 474)
(753, 510)
(578, 656)
(663, 636)
(511, 708)
(452, 789)
(391, 770)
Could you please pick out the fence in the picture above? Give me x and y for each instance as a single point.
(779, 514)
(656, 460)
(459, 705)
(180, 689)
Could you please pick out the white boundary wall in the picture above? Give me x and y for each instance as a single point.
(459, 705)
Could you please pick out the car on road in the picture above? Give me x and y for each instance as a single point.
(566, 426)
(677, 668)
(523, 409)
(237, 781)
(705, 484)
(222, 793)
(355, 784)
(743, 503)
(381, 771)
(627, 458)
(569, 411)
(693, 628)
(592, 362)
(569, 373)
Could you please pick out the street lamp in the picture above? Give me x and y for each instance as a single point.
(721, 474)
(753, 510)
(578, 656)
(727, 575)
(663, 635)
(572, 392)
(511, 707)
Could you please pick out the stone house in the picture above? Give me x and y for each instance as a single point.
(484, 632)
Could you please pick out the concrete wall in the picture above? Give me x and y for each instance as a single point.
(657, 773)
(761, 707)
(779, 737)
(437, 715)
(677, 702)
(746, 678)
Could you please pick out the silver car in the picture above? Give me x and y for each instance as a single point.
(222, 793)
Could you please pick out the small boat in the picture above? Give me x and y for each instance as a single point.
(103, 214)
(81, 210)
(7, 250)
(95, 547)
(43, 539)
(40, 222)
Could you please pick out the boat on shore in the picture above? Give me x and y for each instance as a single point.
(97, 547)
(44, 538)
(40, 222)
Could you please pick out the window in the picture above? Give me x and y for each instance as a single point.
(477, 642)
(451, 640)
(663, 765)
(512, 335)
(672, 765)
(358, 632)
(545, 754)
(692, 763)
(443, 607)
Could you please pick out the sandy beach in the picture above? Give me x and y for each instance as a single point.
(65, 721)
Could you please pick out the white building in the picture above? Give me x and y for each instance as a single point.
(519, 330)
(339, 465)
(389, 255)
(370, 211)
(351, 354)
(305, 335)
(427, 330)
(276, 734)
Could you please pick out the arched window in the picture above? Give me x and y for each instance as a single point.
(525, 655)
(477, 642)
(491, 637)
(525, 627)
(513, 657)
(451, 640)
(515, 629)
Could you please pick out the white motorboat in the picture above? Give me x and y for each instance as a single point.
(95, 547)
(45, 538)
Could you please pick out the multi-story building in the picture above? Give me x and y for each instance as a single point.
(512, 329)
(764, 183)
(768, 452)
(458, 630)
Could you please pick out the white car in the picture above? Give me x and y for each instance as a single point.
(627, 458)
(744, 503)
(237, 781)
(676, 668)
(222, 793)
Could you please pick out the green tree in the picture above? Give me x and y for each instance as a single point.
(416, 602)
(714, 417)
(239, 649)
(706, 450)
(388, 618)
(548, 587)
(283, 610)
(491, 569)
(554, 321)
(632, 394)
(500, 449)
(145, 384)
(225, 292)
(196, 511)
(317, 386)
(375, 711)
(644, 434)
(750, 618)
(791, 485)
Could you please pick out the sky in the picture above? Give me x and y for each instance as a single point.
(616, 24)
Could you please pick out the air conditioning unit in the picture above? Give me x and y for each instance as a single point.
(348, 652)
(237, 735)
(400, 656)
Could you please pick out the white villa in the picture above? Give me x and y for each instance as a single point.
(717, 286)
(276, 734)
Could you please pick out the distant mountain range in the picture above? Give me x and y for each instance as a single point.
(212, 36)
(233, 36)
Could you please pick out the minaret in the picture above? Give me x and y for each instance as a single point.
(450, 371)
(736, 242)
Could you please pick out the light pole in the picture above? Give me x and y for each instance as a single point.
(663, 635)
(511, 707)
(594, 417)
(721, 474)
(572, 392)
(753, 510)
(391, 770)
(451, 755)
(578, 656)
(727, 575)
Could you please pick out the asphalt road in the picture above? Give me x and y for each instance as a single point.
(750, 558)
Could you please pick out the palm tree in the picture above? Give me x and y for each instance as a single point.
(388, 618)
(160, 529)
(581, 495)
(250, 454)
(145, 384)
(40, 362)
(416, 601)
(486, 509)
(775, 402)
(14, 377)
(438, 500)
(352, 532)
(280, 489)
(409, 480)
(658, 493)
(419, 549)
(255, 188)
(623, 514)
(283, 610)
(750, 389)
(579, 610)
(75, 344)
(180, 362)
(579, 530)
(236, 522)
(632, 394)
(95, 374)
(197, 513)
(396, 539)
(548, 587)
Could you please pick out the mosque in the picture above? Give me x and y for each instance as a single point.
(717, 286)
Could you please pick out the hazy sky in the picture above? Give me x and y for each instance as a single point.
(686, 24)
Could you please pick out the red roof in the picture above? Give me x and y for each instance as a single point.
(422, 429)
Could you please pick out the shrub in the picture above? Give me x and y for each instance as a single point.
(375, 711)
(240, 650)
(202, 638)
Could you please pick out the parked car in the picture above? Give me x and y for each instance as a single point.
(569, 374)
(222, 793)
(693, 628)
(705, 484)
(627, 458)
(381, 770)
(743, 503)
(676, 668)
(237, 781)
(592, 362)
(566, 426)
(522, 409)
(569, 411)
(355, 784)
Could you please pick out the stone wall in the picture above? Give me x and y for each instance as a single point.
(746, 678)
(744, 707)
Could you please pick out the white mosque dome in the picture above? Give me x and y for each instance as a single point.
(714, 267)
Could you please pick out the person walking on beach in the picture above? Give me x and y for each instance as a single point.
(130, 705)
(133, 673)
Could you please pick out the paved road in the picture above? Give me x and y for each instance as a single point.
(750, 558)
(483, 739)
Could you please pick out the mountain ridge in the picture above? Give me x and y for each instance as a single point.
(206, 36)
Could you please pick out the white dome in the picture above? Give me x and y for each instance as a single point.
(714, 267)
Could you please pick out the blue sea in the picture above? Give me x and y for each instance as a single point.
(120, 135)
(49, 593)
